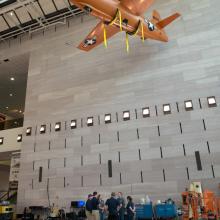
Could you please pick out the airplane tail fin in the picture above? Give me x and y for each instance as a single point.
(156, 17)
(162, 23)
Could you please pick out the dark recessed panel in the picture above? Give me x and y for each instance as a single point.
(198, 160)
(109, 168)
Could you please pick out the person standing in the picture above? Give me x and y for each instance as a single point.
(89, 207)
(121, 201)
(101, 207)
(112, 205)
(95, 206)
(130, 208)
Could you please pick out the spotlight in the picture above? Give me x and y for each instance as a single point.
(11, 94)
(188, 105)
(90, 121)
(126, 115)
(107, 118)
(28, 131)
(1, 140)
(43, 129)
(211, 101)
(73, 124)
(12, 79)
(146, 112)
(19, 138)
(166, 109)
(58, 126)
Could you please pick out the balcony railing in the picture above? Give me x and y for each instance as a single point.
(9, 124)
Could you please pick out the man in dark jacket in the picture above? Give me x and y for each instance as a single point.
(89, 207)
(112, 205)
(95, 206)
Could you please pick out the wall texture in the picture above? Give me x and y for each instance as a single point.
(10, 140)
(155, 155)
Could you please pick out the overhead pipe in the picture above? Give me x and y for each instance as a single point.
(49, 25)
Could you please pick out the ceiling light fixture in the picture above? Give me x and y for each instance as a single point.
(146, 112)
(43, 129)
(12, 79)
(107, 118)
(58, 126)
(11, 94)
(19, 138)
(211, 101)
(90, 121)
(73, 124)
(28, 131)
(126, 115)
(166, 109)
(1, 140)
(188, 105)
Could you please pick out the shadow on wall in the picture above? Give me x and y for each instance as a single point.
(4, 176)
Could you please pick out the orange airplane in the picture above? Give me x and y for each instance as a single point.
(123, 15)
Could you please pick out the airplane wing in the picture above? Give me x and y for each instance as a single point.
(96, 36)
(137, 7)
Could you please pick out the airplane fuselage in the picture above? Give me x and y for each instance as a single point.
(106, 11)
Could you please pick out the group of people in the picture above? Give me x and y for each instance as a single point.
(113, 208)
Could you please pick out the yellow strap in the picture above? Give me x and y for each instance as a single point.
(134, 33)
(105, 36)
(120, 19)
(142, 31)
(137, 30)
(127, 43)
(117, 15)
(114, 19)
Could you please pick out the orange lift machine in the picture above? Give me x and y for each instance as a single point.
(198, 204)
